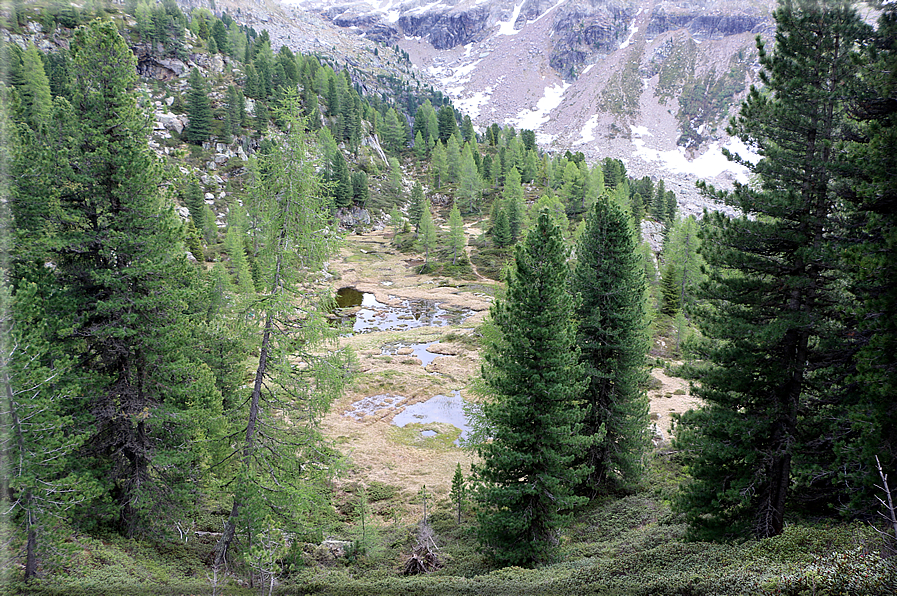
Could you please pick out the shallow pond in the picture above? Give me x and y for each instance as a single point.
(448, 409)
(373, 315)
(417, 351)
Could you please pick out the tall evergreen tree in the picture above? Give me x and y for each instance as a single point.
(34, 93)
(279, 460)
(869, 188)
(514, 205)
(342, 183)
(613, 340)
(427, 232)
(120, 292)
(535, 412)
(199, 110)
(775, 347)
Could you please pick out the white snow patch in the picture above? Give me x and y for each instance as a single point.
(471, 105)
(544, 139)
(588, 68)
(708, 165)
(640, 131)
(507, 27)
(632, 31)
(533, 119)
(587, 133)
(544, 14)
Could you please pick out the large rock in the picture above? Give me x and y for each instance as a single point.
(353, 217)
(170, 121)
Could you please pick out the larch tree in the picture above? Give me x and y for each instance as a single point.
(273, 470)
(457, 239)
(613, 342)
(775, 336)
(416, 206)
(535, 411)
(426, 232)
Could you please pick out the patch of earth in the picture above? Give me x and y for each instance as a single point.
(673, 397)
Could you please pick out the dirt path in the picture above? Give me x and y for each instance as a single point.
(467, 230)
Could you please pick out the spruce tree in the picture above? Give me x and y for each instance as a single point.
(199, 110)
(535, 408)
(613, 340)
(773, 326)
(121, 294)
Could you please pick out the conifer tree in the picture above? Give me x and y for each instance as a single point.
(457, 239)
(199, 110)
(34, 93)
(774, 327)
(360, 190)
(458, 492)
(448, 126)
(670, 287)
(420, 146)
(658, 208)
(469, 181)
(467, 131)
(535, 412)
(416, 206)
(501, 230)
(342, 183)
(427, 232)
(870, 189)
(279, 464)
(438, 165)
(612, 338)
(453, 159)
(514, 206)
(120, 293)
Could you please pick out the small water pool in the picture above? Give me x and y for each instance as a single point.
(448, 409)
(373, 315)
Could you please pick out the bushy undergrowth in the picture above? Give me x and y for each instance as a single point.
(619, 546)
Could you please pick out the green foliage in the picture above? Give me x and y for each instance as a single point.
(457, 238)
(199, 110)
(775, 346)
(458, 493)
(534, 412)
(426, 231)
(276, 467)
(613, 342)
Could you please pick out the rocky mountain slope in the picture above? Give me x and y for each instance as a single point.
(651, 82)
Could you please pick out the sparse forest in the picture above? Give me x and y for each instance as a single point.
(181, 202)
